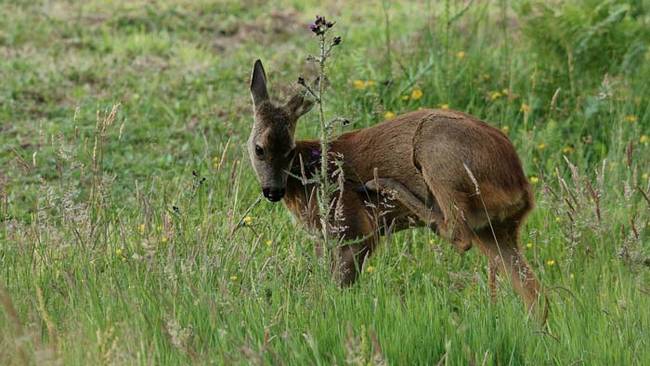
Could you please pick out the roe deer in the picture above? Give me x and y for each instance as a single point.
(445, 169)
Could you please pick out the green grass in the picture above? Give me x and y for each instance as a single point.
(116, 243)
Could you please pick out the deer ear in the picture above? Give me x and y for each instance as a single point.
(299, 105)
(258, 84)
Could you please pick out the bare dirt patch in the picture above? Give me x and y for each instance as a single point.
(275, 27)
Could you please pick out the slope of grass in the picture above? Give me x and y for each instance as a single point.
(123, 174)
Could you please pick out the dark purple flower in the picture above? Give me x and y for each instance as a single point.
(336, 41)
(317, 29)
(320, 25)
(315, 153)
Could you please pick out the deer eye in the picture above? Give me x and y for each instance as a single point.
(259, 151)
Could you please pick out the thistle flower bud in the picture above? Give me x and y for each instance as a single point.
(320, 25)
(336, 41)
(316, 29)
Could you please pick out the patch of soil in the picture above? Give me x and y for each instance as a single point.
(275, 27)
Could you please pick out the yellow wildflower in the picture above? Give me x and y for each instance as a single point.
(568, 150)
(541, 146)
(460, 55)
(119, 252)
(529, 245)
(631, 118)
(141, 228)
(432, 242)
(370, 269)
(389, 115)
(362, 84)
(645, 139)
(505, 129)
(416, 94)
(163, 239)
(444, 106)
(504, 91)
(233, 278)
(216, 162)
(495, 95)
(534, 180)
(558, 219)
(525, 108)
(248, 220)
(268, 242)
(550, 262)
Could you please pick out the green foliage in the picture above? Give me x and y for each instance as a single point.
(586, 39)
(117, 234)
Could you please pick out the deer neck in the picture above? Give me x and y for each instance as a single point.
(306, 163)
(300, 198)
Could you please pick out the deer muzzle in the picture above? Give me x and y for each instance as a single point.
(273, 194)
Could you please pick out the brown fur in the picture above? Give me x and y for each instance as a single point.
(446, 170)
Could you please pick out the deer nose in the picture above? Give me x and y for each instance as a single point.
(273, 194)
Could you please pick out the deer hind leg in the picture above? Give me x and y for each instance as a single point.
(455, 208)
(505, 257)
(492, 280)
(429, 214)
(444, 215)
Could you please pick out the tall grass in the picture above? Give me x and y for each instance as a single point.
(116, 240)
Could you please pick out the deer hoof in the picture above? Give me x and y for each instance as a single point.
(377, 184)
(461, 248)
(372, 185)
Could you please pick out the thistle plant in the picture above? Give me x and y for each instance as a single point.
(321, 28)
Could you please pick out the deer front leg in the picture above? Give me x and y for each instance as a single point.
(357, 238)
(348, 262)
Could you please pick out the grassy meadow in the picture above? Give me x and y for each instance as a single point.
(124, 175)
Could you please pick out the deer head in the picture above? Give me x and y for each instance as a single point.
(271, 145)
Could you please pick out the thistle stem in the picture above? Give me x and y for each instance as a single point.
(324, 147)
